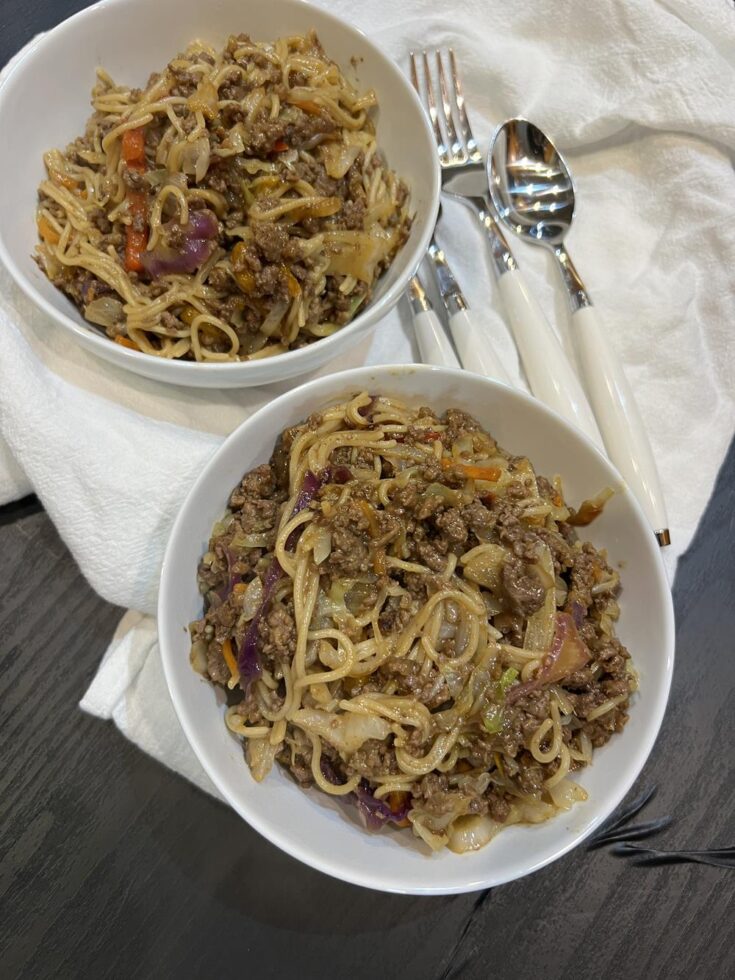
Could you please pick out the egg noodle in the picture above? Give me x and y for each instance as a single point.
(424, 669)
(235, 208)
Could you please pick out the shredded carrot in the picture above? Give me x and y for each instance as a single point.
(309, 106)
(64, 180)
(292, 283)
(370, 516)
(396, 802)
(47, 232)
(491, 473)
(126, 342)
(279, 146)
(318, 208)
(267, 183)
(187, 315)
(379, 565)
(239, 587)
(133, 148)
(230, 658)
(243, 276)
(136, 238)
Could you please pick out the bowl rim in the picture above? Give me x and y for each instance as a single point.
(290, 360)
(285, 841)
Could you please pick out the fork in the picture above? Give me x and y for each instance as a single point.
(550, 375)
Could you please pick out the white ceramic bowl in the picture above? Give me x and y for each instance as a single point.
(324, 833)
(44, 103)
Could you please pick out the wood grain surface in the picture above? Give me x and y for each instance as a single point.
(111, 866)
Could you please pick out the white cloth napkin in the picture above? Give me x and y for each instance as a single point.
(639, 95)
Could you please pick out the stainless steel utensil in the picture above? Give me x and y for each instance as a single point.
(550, 375)
(434, 344)
(475, 352)
(532, 190)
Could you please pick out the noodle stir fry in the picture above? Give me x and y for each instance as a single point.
(402, 615)
(236, 208)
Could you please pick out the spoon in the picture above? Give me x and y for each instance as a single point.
(532, 190)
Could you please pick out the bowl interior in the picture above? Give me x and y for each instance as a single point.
(324, 833)
(132, 38)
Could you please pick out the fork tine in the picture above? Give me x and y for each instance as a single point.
(433, 113)
(427, 101)
(458, 152)
(414, 73)
(469, 140)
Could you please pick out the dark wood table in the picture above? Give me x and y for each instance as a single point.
(111, 866)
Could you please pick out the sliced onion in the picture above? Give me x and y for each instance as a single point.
(200, 240)
(248, 661)
(162, 177)
(202, 224)
(273, 318)
(256, 166)
(435, 841)
(198, 656)
(545, 574)
(195, 158)
(260, 755)
(104, 311)
(485, 568)
(338, 158)
(473, 785)
(345, 732)
(566, 793)
(241, 541)
(590, 509)
(322, 545)
(252, 599)
(379, 212)
(449, 496)
(455, 682)
(329, 656)
(205, 99)
(471, 833)
(447, 630)
(568, 653)
(541, 624)
(358, 253)
(156, 178)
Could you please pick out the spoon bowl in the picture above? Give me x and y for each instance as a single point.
(532, 190)
(530, 183)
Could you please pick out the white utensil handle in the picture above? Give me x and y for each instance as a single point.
(435, 346)
(550, 375)
(475, 348)
(618, 417)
